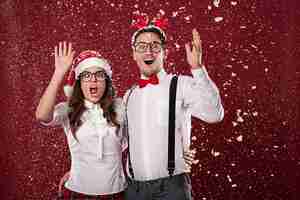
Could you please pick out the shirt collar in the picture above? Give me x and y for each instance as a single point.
(160, 75)
(90, 105)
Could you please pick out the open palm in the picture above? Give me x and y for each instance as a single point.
(194, 52)
(63, 56)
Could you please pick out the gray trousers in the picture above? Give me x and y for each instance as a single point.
(177, 187)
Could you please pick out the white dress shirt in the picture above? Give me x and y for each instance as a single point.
(96, 155)
(148, 121)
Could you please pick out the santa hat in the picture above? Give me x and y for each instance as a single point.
(143, 24)
(83, 61)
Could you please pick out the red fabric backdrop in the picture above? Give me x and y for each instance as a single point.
(250, 49)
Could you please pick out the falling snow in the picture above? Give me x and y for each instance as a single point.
(216, 3)
(218, 19)
(249, 50)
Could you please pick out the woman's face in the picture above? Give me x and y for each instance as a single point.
(93, 83)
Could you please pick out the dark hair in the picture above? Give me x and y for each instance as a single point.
(76, 104)
(150, 29)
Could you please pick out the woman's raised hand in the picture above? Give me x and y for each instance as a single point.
(64, 55)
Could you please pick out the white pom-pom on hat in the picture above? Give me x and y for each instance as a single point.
(70, 82)
(69, 86)
(68, 90)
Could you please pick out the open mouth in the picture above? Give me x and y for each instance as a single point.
(93, 90)
(148, 62)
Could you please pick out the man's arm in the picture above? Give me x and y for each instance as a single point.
(201, 96)
(199, 93)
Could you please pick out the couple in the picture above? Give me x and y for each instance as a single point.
(99, 126)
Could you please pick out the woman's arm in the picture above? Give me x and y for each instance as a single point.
(63, 61)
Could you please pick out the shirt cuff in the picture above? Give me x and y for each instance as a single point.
(47, 123)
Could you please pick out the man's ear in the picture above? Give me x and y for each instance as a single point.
(133, 55)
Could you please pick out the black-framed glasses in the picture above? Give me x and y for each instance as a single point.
(88, 76)
(142, 47)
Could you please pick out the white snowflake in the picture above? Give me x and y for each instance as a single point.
(240, 119)
(215, 153)
(234, 3)
(174, 14)
(229, 178)
(239, 138)
(162, 12)
(218, 19)
(216, 3)
(234, 124)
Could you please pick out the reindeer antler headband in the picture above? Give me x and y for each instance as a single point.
(143, 24)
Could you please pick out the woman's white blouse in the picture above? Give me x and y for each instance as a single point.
(96, 155)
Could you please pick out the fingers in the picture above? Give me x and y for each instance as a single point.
(189, 161)
(189, 157)
(60, 49)
(69, 49)
(55, 51)
(191, 152)
(72, 54)
(196, 40)
(64, 49)
(188, 164)
(188, 49)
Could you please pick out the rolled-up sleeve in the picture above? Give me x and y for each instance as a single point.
(201, 96)
(60, 115)
(120, 110)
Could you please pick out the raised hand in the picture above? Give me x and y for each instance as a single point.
(194, 52)
(63, 61)
(63, 57)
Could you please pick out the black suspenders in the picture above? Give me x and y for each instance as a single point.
(171, 136)
(172, 112)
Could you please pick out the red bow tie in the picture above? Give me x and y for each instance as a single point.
(152, 80)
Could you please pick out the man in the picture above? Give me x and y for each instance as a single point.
(147, 116)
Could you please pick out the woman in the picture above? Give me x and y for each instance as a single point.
(91, 119)
(90, 123)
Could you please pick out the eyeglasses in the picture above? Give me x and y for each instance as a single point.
(142, 47)
(87, 76)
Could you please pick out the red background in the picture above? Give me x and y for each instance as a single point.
(252, 55)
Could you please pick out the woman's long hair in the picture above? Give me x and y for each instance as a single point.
(76, 104)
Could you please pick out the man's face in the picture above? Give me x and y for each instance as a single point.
(148, 53)
(93, 84)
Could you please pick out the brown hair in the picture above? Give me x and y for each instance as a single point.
(76, 104)
(150, 29)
